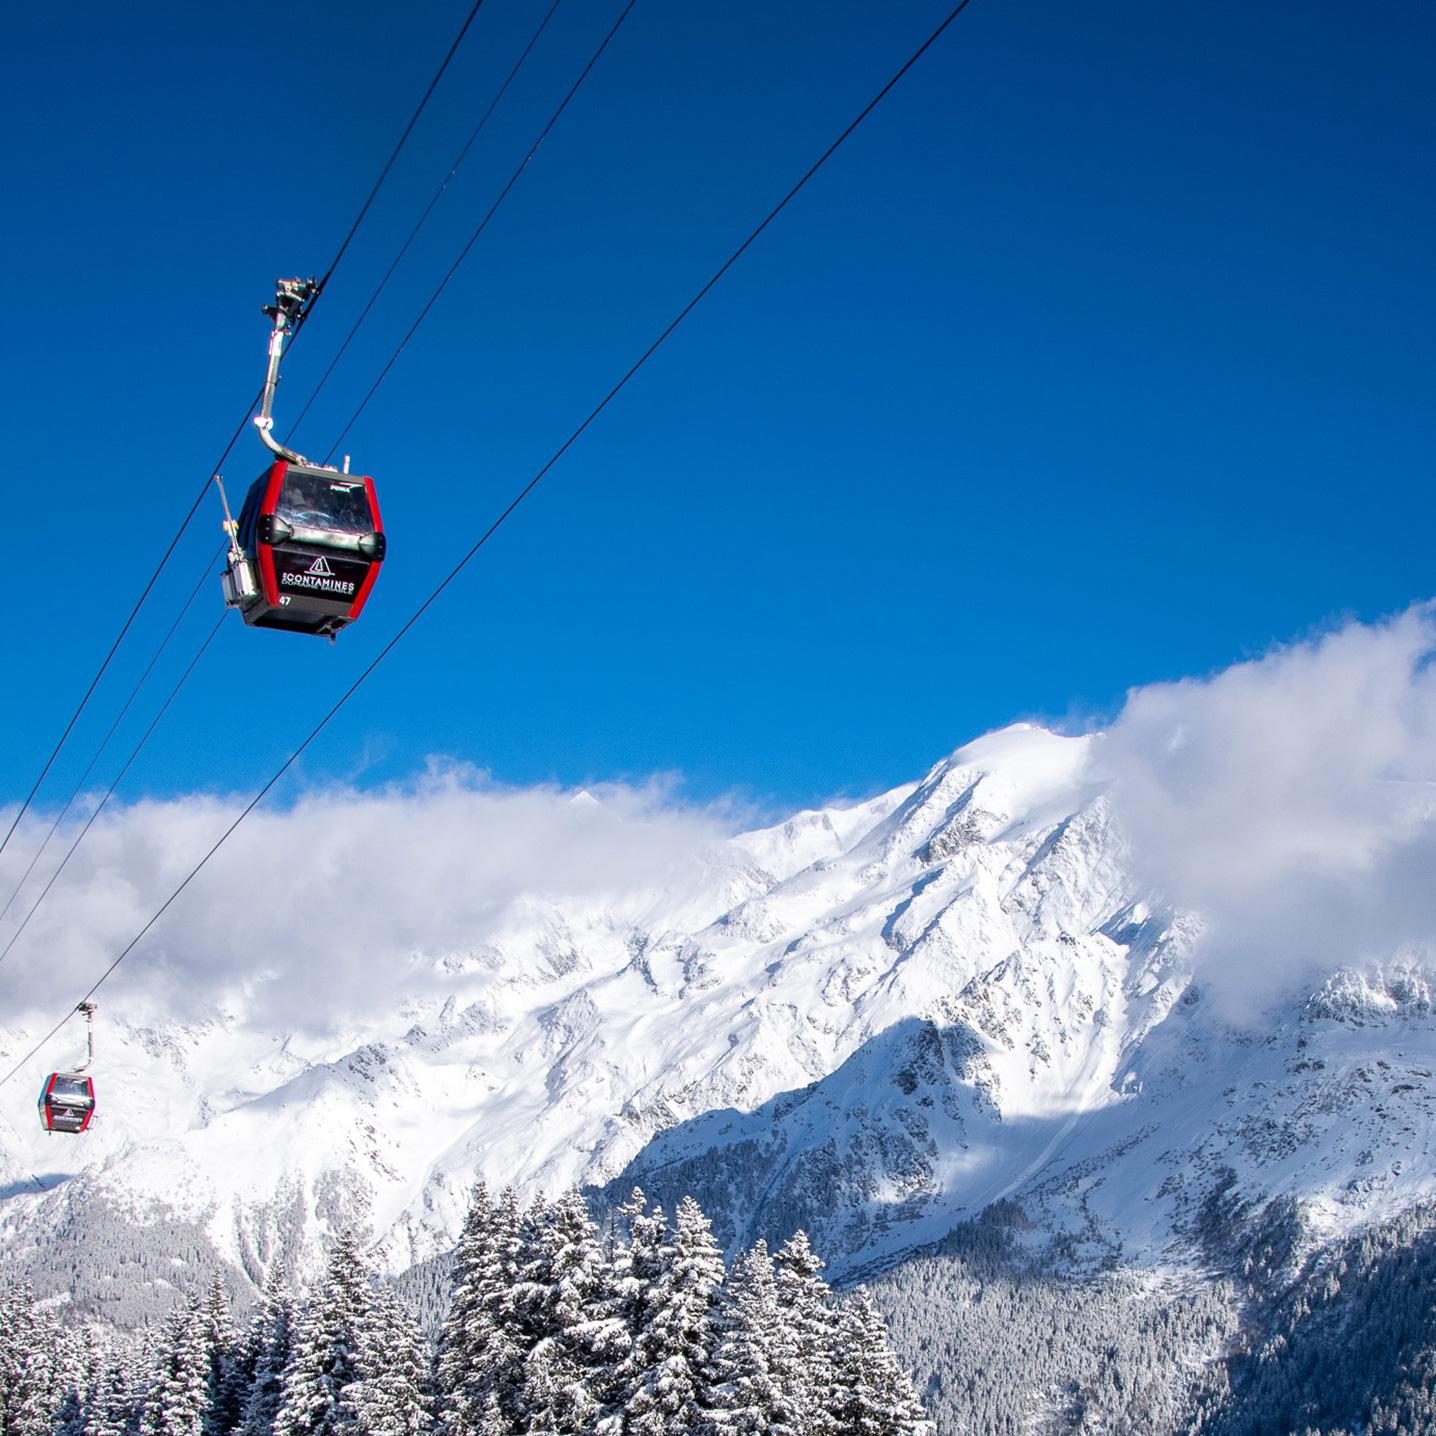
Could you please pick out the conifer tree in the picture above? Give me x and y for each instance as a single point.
(17, 1320)
(754, 1345)
(638, 1261)
(73, 1371)
(71, 1414)
(579, 1337)
(678, 1338)
(637, 1265)
(491, 1395)
(325, 1355)
(179, 1395)
(390, 1396)
(874, 1396)
(805, 1373)
(461, 1389)
(116, 1404)
(227, 1380)
(31, 1377)
(267, 1348)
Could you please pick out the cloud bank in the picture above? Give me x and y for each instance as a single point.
(1291, 803)
(320, 910)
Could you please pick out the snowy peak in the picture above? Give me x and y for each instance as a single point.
(870, 1020)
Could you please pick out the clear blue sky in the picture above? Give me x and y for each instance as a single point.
(1101, 354)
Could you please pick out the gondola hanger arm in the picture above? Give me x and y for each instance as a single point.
(88, 1009)
(292, 298)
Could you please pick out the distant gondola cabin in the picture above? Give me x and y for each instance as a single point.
(67, 1102)
(315, 541)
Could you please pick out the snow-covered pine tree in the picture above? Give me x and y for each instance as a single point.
(638, 1264)
(391, 1395)
(32, 1371)
(324, 1358)
(481, 1384)
(754, 1345)
(874, 1395)
(16, 1303)
(179, 1391)
(116, 1405)
(637, 1260)
(631, 1248)
(459, 1380)
(806, 1374)
(76, 1358)
(17, 1347)
(571, 1372)
(266, 1351)
(228, 1382)
(71, 1414)
(678, 1339)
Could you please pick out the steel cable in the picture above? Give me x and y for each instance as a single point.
(105, 741)
(215, 468)
(423, 219)
(110, 791)
(493, 528)
(483, 225)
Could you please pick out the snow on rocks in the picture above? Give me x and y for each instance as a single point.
(869, 1021)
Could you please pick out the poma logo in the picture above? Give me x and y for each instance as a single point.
(320, 567)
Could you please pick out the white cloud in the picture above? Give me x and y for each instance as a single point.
(1291, 802)
(314, 911)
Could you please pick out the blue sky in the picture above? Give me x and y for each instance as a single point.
(1101, 355)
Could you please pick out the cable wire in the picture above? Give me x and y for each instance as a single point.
(105, 742)
(408, 130)
(134, 613)
(483, 225)
(244, 423)
(110, 791)
(493, 528)
(333, 265)
(423, 219)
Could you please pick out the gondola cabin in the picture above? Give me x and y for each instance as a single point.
(313, 544)
(67, 1102)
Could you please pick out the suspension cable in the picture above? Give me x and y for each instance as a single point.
(493, 528)
(483, 225)
(105, 741)
(120, 638)
(110, 791)
(408, 130)
(233, 440)
(244, 423)
(423, 219)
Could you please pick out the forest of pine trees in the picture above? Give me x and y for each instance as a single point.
(552, 1327)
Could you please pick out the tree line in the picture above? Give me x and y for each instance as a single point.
(553, 1328)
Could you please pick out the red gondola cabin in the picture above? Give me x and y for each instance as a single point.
(314, 544)
(67, 1102)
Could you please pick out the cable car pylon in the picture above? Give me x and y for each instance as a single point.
(308, 544)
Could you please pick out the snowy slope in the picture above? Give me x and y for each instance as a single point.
(870, 1020)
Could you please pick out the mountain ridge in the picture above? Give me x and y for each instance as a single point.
(873, 1020)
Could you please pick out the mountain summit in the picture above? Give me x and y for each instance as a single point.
(871, 1021)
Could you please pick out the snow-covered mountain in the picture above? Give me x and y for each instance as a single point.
(872, 1021)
